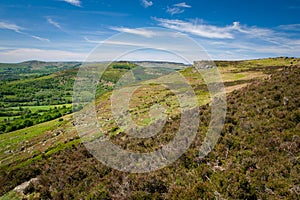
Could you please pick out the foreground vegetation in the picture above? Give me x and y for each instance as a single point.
(257, 156)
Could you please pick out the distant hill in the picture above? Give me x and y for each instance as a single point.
(16, 71)
(172, 65)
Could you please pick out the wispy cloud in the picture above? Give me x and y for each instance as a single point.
(239, 41)
(24, 54)
(11, 26)
(208, 31)
(290, 27)
(135, 31)
(40, 38)
(105, 13)
(73, 2)
(146, 3)
(116, 43)
(54, 23)
(263, 34)
(19, 29)
(253, 31)
(183, 5)
(174, 10)
(198, 28)
(92, 41)
(177, 8)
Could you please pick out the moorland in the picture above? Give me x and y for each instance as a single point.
(256, 157)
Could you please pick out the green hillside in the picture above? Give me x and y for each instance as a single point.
(31, 69)
(33, 100)
(257, 156)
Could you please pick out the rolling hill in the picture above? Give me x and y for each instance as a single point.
(257, 156)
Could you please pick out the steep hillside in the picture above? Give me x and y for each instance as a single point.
(257, 156)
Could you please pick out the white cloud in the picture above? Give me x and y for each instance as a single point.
(174, 10)
(36, 37)
(24, 54)
(241, 40)
(92, 41)
(11, 26)
(264, 34)
(183, 5)
(74, 2)
(118, 43)
(198, 28)
(163, 38)
(40, 38)
(54, 23)
(246, 44)
(177, 8)
(208, 31)
(135, 31)
(18, 29)
(253, 31)
(290, 27)
(146, 3)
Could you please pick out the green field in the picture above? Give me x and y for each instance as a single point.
(41, 108)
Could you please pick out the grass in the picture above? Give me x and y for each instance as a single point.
(14, 138)
(252, 160)
(140, 104)
(273, 62)
(13, 141)
(43, 108)
(140, 101)
(8, 118)
(12, 195)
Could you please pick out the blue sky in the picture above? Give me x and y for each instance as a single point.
(63, 30)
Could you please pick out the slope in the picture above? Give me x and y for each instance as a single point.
(257, 156)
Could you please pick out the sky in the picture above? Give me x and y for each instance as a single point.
(69, 30)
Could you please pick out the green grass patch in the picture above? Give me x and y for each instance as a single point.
(13, 139)
(12, 195)
(43, 108)
(8, 118)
